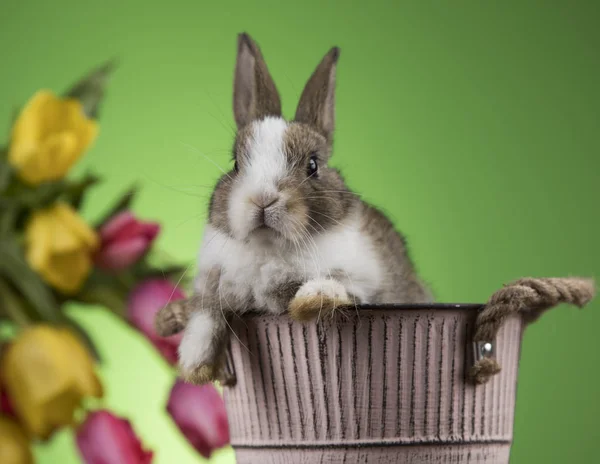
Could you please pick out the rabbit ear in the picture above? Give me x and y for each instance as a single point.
(317, 103)
(254, 93)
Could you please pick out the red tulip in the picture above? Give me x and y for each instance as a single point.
(6, 407)
(124, 240)
(145, 301)
(199, 412)
(104, 438)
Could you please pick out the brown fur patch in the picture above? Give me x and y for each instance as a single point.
(401, 282)
(284, 292)
(171, 319)
(322, 199)
(217, 209)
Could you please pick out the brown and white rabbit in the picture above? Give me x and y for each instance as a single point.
(284, 231)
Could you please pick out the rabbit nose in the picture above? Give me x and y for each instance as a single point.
(264, 201)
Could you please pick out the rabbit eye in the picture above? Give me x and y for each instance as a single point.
(235, 166)
(312, 166)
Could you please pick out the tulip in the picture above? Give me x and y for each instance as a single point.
(104, 438)
(48, 137)
(60, 246)
(124, 240)
(47, 372)
(6, 407)
(199, 412)
(14, 445)
(145, 301)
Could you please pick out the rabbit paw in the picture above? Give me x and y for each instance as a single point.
(209, 373)
(318, 298)
(172, 318)
(202, 350)
(206, 373)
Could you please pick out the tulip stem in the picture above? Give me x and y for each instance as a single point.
(126, 280)
(10, 306)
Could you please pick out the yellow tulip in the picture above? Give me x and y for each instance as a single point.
(14, 445)
(60, 247)
(47, 372)
(48, 137)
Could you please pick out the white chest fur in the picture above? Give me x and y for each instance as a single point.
(246, 266)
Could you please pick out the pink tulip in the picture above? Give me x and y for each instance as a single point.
(199, 412)
(145, 301)
(104, 438)
(124, 240)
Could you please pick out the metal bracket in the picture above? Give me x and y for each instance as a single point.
(484, 349)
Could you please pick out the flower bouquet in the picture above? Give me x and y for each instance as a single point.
(50, 256)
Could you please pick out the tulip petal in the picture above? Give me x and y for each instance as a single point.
(147, 299)
(104, 438)
(134, 229)
(68, 271)
(72, 220)
(200, 414)
(87, 381)
(76, 121)
(124, 241)
(109, 230)
(38, 240)
(59, 247)
(121, 255)
(6, 407)
(48, 137)
(42, 370)
(58, 153)
(150, 230)
(144, 302)
(29, 125)
(24, 157)
(14, 444)
(63, 238)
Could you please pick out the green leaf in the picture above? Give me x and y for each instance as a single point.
(8, 218)
(90, 89)
(123, 204)
(104, 296)
(75, 191)
(172, 272)
(106, 290)
(6, 171)
(35, 197)
(10, 306)
(15, 270)
(40, 196)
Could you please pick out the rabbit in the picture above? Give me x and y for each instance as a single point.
(284, 232)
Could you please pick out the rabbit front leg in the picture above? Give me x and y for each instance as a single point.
(282, 289)
(203, 348)
(204, 318)
(318, 298)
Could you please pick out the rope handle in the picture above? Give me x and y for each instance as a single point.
(529, 297)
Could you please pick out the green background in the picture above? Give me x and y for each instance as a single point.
(474, 125)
